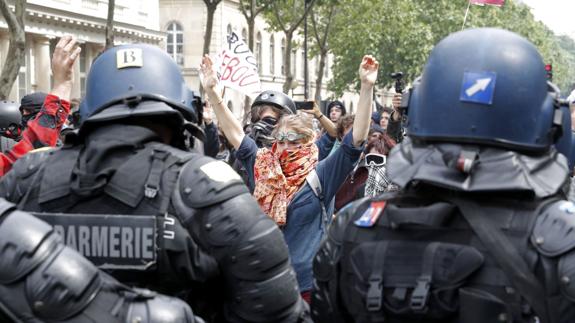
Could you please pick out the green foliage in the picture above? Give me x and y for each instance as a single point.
(401, 33)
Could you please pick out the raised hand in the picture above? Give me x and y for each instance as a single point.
(209, 77)
(65, 54)
(368, 70)
(63, 59)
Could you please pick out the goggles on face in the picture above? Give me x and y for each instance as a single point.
(375, 159)
(270, 120)
(289, 136)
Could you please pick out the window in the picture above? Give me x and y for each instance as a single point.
(272, 56)
(283, 56)
(326, 67)
(258, 51)
(245, 35)
(175, 43)
(229, 29)
(52, 48)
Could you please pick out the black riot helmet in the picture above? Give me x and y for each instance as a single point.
(136, 81)
(275, 99)
(484, 86)
(10, 119)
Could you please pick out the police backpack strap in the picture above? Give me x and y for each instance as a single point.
(506, 256)
(313, 181)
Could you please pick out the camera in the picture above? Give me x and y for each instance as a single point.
(398, 77)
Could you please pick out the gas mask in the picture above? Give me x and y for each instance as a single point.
(262, 131)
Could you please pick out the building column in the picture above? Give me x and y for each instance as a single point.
(4, 43)
(76, 88)
(42, 64)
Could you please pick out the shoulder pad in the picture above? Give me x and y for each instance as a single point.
(343, 217)
(554, 231)
(30, 163)
(205, 181)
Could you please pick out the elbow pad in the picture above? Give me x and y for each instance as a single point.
(41, 278)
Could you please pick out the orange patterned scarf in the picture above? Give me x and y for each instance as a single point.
(279, 177)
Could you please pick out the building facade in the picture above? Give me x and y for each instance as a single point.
(184, 22)
(47, 20)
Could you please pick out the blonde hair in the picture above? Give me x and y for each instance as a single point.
(300, 123)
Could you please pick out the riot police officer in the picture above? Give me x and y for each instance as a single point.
(479, 231)
(42, 280)
(124, 195)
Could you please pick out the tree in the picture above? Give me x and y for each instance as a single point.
(110, 24)
(211, 5)
(17, 47)
(402, 38)
(322, 19)
(286, 16)
(251, 9)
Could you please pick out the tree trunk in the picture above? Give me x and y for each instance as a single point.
(287, 63)
(110, 24)
(319, 80)
(17, 47)
(209, 27)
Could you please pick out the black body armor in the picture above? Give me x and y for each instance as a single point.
(418, 255)
(160, 218)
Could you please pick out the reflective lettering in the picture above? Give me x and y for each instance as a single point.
(127, 242)
(137, 244)
(114, 242)
(71, 237)
(99, 241)
(84, 240)
(147, 243)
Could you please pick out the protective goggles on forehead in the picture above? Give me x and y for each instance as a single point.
(375, 159)
(288, 136)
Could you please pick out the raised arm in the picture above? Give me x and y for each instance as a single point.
(230, 125)
(329, 127)
(368, 76)
(44, 129)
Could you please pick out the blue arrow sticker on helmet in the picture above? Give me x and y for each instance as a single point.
(478, 87)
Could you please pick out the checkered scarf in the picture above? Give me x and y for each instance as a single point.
(377, 181)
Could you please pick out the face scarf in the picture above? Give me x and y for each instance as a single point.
(279, 176)
(377, 181)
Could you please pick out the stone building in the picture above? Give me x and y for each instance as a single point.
(184, 21)
(47, 20)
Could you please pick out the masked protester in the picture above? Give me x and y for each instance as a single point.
(31, 105)
(174, 221)
(287, 176)
(369, 177)
(479, 231)
(43, 115)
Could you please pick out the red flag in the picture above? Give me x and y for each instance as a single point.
(497, 3)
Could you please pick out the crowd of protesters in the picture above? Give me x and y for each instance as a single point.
(300, 174)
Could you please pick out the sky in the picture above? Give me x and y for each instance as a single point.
(558, 15)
